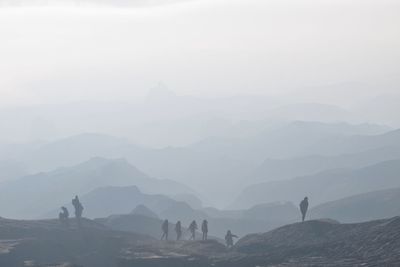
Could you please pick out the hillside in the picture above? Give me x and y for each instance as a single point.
(324, 186)
(312, 243)
(281, 169)
(260, 218)
(48, 191)
(10, 170)
(136, 224)
(359, 208)
(178, 163)
(105, 201)
(317, 243)
(300, 139)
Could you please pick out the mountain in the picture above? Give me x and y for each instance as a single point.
(144, 211)
(230, 163)
(299, 139)
(105, 201)
(359, 208)
(152, 209)
(324, 186)
(281, 169)
(48, 191)
(72, 150)
(135, 223)
(10, 170)
(272, 212)
(356, 143)
(176, 163)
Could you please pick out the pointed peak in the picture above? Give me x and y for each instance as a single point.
(144, 211)
(160, 92)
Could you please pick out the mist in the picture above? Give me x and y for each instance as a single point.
(271, 117)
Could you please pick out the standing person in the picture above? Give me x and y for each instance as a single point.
(204, 229)
(304, 208)
(192, 229)
(78, 208)
(164, 229)
(178, 230)
(229, 239)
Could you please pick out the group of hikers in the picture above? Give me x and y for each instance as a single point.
(192, 229)
(64, 218)
(204, 227)
(64, 214)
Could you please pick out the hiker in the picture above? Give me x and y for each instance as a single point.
(229, 239)
(78, 207)
(304, 208)
(178, 230)
(192, 229)
(164, 229)
(204, 229)
(64, 216)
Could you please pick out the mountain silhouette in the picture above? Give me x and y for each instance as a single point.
(48, 191)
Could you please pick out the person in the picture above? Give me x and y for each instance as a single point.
(164, 229)
(204, 229)
(64, 216)
(178, 230)
(304, 208)
(229, 239)
(192, 229)
(78, 207)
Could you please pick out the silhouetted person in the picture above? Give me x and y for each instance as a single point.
(178, 230)
(164, 229)
(78, 208)
(64, 216)
(204, 229)
(304, 208)
(229, 239)
(192, 229)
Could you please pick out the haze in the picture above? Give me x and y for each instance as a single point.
(295, 49)
(205, 84)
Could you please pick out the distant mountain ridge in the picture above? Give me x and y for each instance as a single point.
(281, 169)
(360, 208)
(226, 162)
(324, 186)
(48, 191)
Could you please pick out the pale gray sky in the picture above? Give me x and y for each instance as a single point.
(297, 48)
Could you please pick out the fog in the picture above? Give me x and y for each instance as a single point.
(297, 49)
(199, 92)
(267, 129)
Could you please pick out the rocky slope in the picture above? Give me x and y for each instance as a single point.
(313, 243)
(46, 242)
(360, 208)
(321, 243)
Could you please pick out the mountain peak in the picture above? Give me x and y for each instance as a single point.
(144, 211)
(160, 93)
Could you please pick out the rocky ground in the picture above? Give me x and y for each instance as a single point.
(312, 243)
(45, 243)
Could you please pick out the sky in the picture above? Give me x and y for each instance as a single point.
(321, 51)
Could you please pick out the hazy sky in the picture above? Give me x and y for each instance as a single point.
(213, 48)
